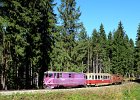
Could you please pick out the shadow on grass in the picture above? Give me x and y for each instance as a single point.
(137, 81)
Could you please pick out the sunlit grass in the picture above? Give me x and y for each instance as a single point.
(126, 92)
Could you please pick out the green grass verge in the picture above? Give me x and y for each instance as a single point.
(128, 92)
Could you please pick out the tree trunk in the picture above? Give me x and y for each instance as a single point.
(4, 76)
(93, 66)
(97, 63)
(88, 59)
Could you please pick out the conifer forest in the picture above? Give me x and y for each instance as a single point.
(34, 39)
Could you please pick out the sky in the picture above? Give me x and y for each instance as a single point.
(110, 13)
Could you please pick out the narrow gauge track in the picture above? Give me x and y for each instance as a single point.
(10, 92)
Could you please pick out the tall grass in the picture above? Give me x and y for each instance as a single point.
(126, 92)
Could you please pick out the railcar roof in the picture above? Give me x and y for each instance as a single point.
(62, 72)
(97, 74)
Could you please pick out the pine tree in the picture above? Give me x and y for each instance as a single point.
(69, 16)
(109, 51)
(99, 42)
(137, 52)
(46, 28)
(103, 67)
(119, 51)
(110, 44)
(30, 29)
(131, 60)
(129, 56)
(81, 50)
(96, 49)
(56, 59)
(5, 53)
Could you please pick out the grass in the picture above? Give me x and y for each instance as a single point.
(126, 92)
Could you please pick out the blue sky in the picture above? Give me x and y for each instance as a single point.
(110, 12)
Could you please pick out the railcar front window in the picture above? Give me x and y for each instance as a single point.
(46, 75)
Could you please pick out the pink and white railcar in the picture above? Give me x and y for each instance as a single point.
(63, 79)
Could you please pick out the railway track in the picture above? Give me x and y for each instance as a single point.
(10, 92)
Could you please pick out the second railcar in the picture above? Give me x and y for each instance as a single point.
(96, 79)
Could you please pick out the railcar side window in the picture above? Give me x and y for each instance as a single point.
(95, 76)
(107, 77)
(69, 75)
(50, 74)
(104, 77)
(101, 76)
(57, 75)
(98, 76)
(60, 75)
(89, 76)
(92, 76)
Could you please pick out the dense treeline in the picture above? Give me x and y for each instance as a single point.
(33, 39)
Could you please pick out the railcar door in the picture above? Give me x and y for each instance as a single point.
(58, 79)
(71, 79)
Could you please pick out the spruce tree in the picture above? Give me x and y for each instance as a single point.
(137, 52)
(69, 15)
(13, 37)
(80, 50)
(96, 49)
(131, 60)
(47, 30)
(119, 51)
(99, 44)
(109, 50)
(103, 66)
(129, 56)
(30, 29)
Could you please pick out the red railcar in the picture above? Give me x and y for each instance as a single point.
(116, 79)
